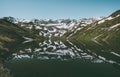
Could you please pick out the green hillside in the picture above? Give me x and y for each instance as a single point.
(101, 38)
(11, 35)
(106, 33)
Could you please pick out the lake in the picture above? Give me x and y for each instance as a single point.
(58, 59)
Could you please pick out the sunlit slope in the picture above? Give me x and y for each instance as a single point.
(104, 32)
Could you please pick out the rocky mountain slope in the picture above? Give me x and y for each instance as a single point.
(54, 28)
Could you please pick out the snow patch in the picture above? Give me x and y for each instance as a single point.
(109, 18)
(115, 54)
(102, 58)
(114, 26)
(21, 56)
(27, 39)
(101, 21)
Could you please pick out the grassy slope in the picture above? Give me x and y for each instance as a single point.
(11, 35)
(107, 40)
(105, 35)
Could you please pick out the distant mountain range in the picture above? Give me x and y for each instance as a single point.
(101, 30)
(49, 27)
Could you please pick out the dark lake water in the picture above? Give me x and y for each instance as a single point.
(56, 59)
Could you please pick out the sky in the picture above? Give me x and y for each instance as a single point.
(57, 9)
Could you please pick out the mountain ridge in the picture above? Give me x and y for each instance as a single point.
(101, 38)
(11, 35)
(85, 30)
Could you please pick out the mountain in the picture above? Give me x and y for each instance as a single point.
(14, 30)
(53, 28)
(105, 31)
(100, 31)
(11, 35)
(101, 38)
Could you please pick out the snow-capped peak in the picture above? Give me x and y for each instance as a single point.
(49, 27)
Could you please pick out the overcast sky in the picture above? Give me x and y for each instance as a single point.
(57, 9)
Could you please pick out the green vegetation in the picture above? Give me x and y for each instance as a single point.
(102, 33)
(100, 38)
(3, 72)
(11, 36)
(4, 38)
(115, 13)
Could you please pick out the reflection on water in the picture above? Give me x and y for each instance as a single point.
(54, 50)
(56, 59)
(58, 68)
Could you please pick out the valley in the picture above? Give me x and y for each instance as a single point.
(87, 42)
